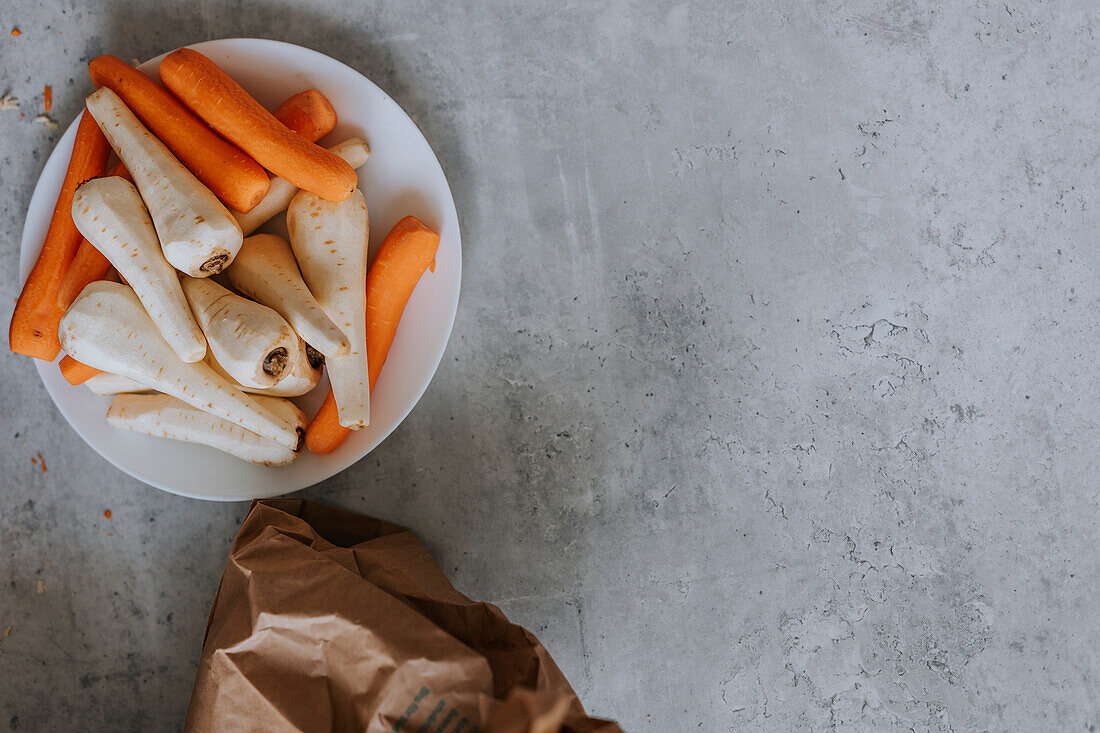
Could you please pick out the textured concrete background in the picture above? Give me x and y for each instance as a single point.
(770, 403)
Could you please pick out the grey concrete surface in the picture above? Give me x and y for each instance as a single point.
(771, 402)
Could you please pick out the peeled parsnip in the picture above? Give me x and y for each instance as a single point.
(110, 214)
(300, 377)
(106, 327)
(265, 271)
(254, 343)
(304, 375)
(330, 243)
(112, 384)
(167, 417)
(197, 233)
(355, 151)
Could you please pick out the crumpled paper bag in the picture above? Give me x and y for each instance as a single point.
(326, 620)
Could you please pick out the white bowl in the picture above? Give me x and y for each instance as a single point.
(402, 177)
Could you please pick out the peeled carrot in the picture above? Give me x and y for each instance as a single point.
(76, 372)
(88, 265)
(308, 113)
(235, 178)
(325, 433)
(37, 315)
(47, 98)
(406, 252)
(224, 105)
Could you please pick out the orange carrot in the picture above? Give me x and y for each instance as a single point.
(325, 433)
(406, 252)
(88, 265)
(47, 98)
(308, 113)
(34, 323)
(235, 178)
(75, 372)
(235, 115)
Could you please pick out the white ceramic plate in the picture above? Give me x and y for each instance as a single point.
(402, 177)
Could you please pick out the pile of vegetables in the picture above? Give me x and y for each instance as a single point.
(153, 282)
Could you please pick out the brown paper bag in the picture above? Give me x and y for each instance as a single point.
(326, 620)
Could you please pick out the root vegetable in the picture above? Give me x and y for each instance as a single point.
(355, 151)
(197, 233)
(88, 265)
(308, 113)
(215, 97)
(407, 252)
(74, 372)
(251, 341)
(236, 179)
(167, 417)
(107, 328)
(110, 214)
(330, 243)
(34, 322)
(265, 270)
(301, 377)
(111, 384)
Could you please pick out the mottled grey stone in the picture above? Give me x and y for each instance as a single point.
(769, 401)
